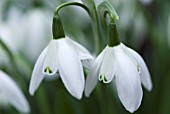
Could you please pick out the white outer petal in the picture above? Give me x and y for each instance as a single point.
(37, 74)
(51, 58)
(144, 73)
(127, 81)
(70, 69)
(84, 54)
(14, 95)
(107, 67)
(92, 77)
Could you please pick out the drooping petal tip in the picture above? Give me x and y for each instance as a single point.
(141, 66)
(127, 81)
(72, 77)
(31, 91)
(37, 74)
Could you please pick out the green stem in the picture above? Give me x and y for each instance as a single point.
(106, 8)
(71, 3)
(96, 27)
(113, 34)
(57, 28)
(110, 15)
(6, 49)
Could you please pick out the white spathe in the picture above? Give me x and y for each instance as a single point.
(127, 68)
(12, 93)
(66, 57)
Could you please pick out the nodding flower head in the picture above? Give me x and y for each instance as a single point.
(66, 57)
(127, 68)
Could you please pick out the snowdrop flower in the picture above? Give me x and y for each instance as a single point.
(127, 68)
(64, 56)
(12, 94)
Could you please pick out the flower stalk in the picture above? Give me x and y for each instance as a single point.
(96, 27)
(57, 27)
(106, 9)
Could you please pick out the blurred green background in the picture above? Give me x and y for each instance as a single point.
(25, 27)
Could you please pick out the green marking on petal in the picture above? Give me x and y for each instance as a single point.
(100, 77)
(47, 69)
(105, 79)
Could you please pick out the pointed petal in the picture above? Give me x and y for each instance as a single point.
(127, 81)
(14, 95)
(70, 69)
(144, 72)
(84, 54)
(92, 77)
(107, 66)
(50, 66)
(37, 74)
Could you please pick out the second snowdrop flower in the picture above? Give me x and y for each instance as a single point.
(127, 68)
(122, 64)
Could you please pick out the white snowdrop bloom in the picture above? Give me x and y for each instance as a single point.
(12, 94)
(127, 68)
(64, 56)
